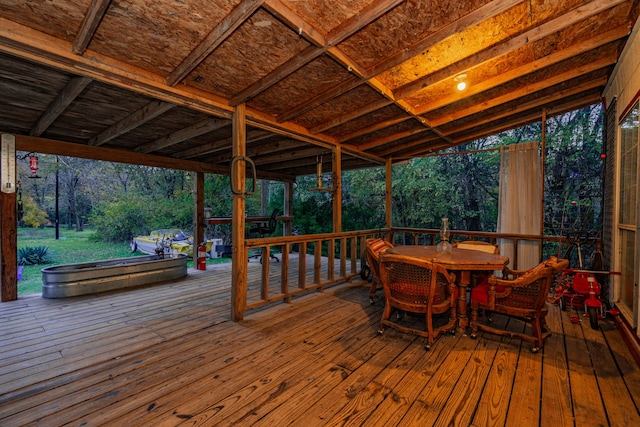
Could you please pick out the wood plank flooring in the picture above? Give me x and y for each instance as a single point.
(168, 355)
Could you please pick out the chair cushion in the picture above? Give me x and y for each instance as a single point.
(481, 293)
(378, 246)
(490, 249)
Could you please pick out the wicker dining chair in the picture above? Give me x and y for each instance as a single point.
(373, 249)
(521, 295)
(417, 286)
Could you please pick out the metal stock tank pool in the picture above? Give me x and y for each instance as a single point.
(70, 280)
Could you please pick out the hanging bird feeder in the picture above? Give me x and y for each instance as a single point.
(33, 165)
(319, 176)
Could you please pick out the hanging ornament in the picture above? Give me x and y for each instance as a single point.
(319, 176)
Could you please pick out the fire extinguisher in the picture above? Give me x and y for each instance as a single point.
(202, 256)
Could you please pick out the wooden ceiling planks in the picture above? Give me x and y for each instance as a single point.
(315, 78)
(61, 20)
(376, 76)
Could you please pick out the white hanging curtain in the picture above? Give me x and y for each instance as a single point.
(519, 203)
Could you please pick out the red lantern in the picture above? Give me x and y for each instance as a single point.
(33, 165)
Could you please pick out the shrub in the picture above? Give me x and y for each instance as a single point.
(120, 220)
(33, 216)
(34, 255)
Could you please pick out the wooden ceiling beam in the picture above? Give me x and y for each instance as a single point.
(481, 14)
(538, 102)
(219, 34)
(425, 151)
(284, 70)
(335, 36)
(66, 96)
(519, 72)
(222, 144)
(200, 128)
(287, 156)
(494, 127)
(150, 111)
(61, 148)
(257, 150)
(516, 42)
(360, 20)
(425, 147)
(374, 128)
(275, 176)
(402, 147)
(92, 19)
(43, 49)
(26, 43)
(293, 21)
(303, 157)
(527, 89)
(340, 119)
(320, 99)
(390, 138)
(501, 126)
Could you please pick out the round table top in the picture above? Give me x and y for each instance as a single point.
(458, 259)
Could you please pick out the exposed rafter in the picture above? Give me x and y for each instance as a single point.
(370, 78)
(62, 101)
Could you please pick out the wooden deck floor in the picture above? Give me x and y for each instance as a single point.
(169, 355)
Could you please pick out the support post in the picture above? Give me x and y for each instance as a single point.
(288, 207)
(239, 256)
(336, 180)
(9, 244)
(198, 214)
(388, 192)
(543, 151)
(8, 224)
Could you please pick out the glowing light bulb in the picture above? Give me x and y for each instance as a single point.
(460, 81)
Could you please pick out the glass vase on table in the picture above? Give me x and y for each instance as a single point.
(444, 247)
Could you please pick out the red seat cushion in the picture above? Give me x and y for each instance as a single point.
(481, 293)
(378, 246)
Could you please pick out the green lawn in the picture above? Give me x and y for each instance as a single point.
(72, 247)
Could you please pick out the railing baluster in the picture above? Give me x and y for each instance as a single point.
(349, 245)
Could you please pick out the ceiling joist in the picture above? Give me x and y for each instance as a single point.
(373, 78)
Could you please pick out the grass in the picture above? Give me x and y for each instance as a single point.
(72, 247)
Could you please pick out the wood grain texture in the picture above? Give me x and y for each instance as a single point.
(168, 353)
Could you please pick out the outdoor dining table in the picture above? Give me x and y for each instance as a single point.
(461, 262)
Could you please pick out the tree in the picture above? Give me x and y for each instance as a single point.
(33, 216)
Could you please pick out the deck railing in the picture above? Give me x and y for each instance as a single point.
(315, 261)
(335, 258)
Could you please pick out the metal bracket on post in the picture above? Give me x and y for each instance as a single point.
(238, 188)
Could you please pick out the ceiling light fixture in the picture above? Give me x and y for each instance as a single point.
(460, 80)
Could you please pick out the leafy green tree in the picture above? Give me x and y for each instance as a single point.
(120, 220)
(33, 216)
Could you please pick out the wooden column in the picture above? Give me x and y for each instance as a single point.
(288, 207)
(543, 151)
(198, 213)
(337, 189)
(8, 225)
(388, 194)
(9, 249)
(239, 256)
